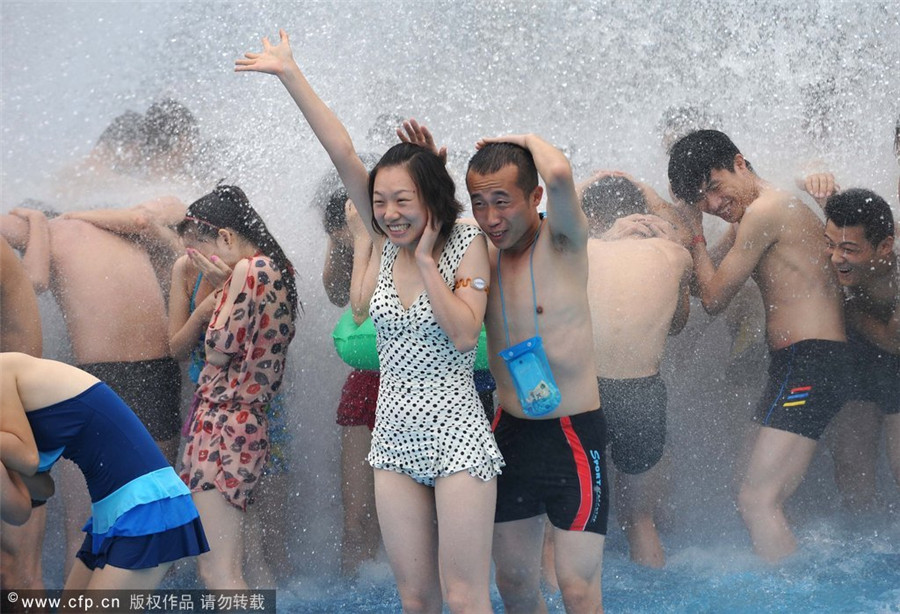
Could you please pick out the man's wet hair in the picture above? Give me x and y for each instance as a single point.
(693, 158)
(124, 129)
(609, 198)
(435, 186)
(494, 156)
(167, 122)
(861, 207)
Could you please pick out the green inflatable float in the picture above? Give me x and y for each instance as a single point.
(356, 344)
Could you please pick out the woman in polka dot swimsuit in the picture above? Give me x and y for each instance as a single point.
(434, 456)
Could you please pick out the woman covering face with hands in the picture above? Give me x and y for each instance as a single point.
(250, 323)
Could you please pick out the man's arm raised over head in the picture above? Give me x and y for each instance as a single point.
(566, 220)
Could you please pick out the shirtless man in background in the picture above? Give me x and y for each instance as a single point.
(20, 331)
(109, 271)
(115, 313)
(111, 300)
(639, 295)
(774, 238)
(860, 241)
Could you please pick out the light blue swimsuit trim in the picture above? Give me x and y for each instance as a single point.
(154, 486)
(47, 459)
(147, 519)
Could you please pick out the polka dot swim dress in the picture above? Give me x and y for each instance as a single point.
(429, 421)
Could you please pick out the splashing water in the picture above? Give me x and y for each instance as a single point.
(791, 83)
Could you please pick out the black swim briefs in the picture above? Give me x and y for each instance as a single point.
(555, 467)
(876, 375)
(151, 388)
(808, 383)
(635, 411)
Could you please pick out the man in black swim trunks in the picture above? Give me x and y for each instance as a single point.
(647, 279)
(859, 237)
(773, 239)
(555, 466)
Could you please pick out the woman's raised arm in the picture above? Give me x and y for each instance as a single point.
(278, 60)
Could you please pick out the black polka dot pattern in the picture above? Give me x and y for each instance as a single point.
(429, 421)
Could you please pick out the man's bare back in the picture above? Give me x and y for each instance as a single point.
(104, 282)
(635, 287)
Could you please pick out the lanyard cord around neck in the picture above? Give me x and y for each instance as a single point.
(533, 291)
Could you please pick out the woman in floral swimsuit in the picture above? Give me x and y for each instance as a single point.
(247, 338)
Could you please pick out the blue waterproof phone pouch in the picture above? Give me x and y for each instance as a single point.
(530, 371)
(526, 361)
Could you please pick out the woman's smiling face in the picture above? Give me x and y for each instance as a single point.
(397, 208)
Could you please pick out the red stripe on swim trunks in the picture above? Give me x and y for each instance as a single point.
(803, 389)
(496, 419)
(583, 469)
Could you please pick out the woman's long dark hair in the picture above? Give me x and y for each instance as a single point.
(228, 207)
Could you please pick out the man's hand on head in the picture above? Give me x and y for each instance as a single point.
(28, 214)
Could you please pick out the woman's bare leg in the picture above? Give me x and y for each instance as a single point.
(221, 567)
(406, 513)
(465, 516)
(361, 537)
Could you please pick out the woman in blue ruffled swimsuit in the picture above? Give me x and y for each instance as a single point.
(142, 516)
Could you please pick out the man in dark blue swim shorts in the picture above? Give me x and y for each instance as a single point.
(773, 239)
(860, 239)
(648, 279)
(808, 383)
(152, 388)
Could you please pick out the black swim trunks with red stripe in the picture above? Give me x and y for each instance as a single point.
(555, 467)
